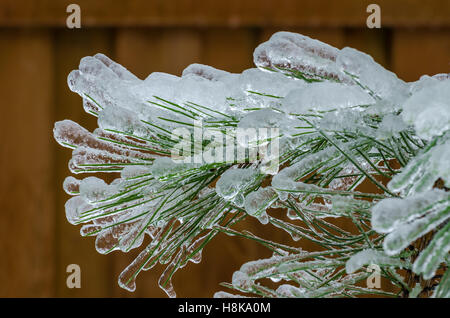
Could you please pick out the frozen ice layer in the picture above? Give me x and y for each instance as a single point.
(123, 120)
(233, 181)
(165, 166)
(422, 171)
(426, 80)
(434, 254)
(406, 233)
(372, 76)
(75, 207)
(325, 96)
(71, 185)
(391, 125)
(290, 51)
(268, 83)
(93, 189)
(118, 69)
(208, 72)
(392, 212)
(256, 203)
(369, 257)
(428, 109)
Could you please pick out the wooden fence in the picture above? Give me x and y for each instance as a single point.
(37, 52)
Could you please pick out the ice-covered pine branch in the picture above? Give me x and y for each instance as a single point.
(196, 154)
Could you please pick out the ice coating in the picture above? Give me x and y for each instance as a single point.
(74, 208)
(325, 96)
(424, 170)
(256, 203)
(291, 291)
(428, 109)
(98, 83)
(205, 71)
(222, 294)
(371, 75)
(164, 166)
(234, 181)
(407, 233)
(93, 189)
(391, 125)
(368, 257)
(291, 51)
(287, 179)
(390, 213)
(124, 120)
(89, 148)
(333, 121)
(430, 259)
(71, 185)
(135, 171)
(265, 119)
(118, 69)
(426, 80)
(69, 134)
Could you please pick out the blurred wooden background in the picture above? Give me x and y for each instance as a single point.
(37, 52)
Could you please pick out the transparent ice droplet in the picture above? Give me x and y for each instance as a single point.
(71, 185)
(94, 189)
(74, 209)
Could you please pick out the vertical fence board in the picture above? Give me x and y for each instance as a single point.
(371, 41)
(26, 194)
(420, 51)
(144, 51)
(229, 49)
(70, 47)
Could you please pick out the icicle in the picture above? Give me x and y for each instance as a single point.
(165, 281)
(127, 279)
